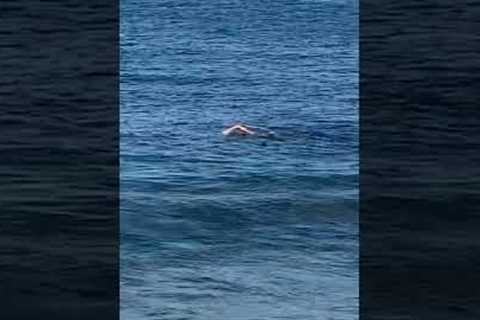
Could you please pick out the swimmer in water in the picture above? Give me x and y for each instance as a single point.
(238, 129)
(241, 130)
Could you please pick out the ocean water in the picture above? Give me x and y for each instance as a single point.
(247, 229)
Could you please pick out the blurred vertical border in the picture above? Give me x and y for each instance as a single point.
(59, 159)
(419, 160)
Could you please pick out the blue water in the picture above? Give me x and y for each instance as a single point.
(241, 229)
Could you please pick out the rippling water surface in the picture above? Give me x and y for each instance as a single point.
(239, 229)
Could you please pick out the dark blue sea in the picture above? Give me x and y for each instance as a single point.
(239, 229)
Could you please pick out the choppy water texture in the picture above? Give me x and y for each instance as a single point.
(244, 228)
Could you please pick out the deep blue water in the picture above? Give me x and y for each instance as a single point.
(239, 229)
